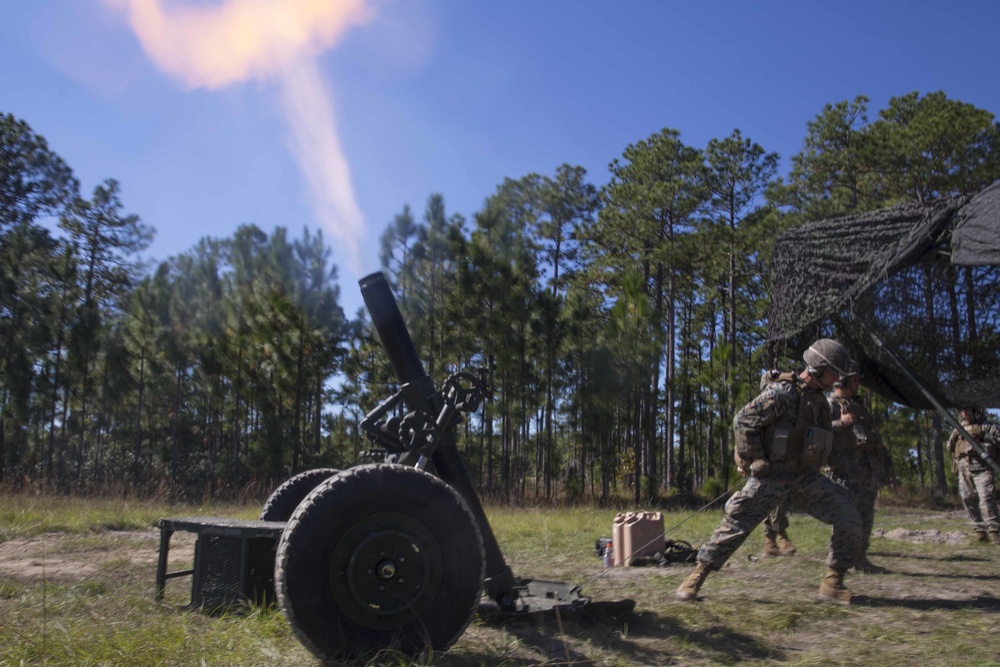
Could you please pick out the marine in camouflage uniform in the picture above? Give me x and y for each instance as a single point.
(782, 439)
(859, 460)
(975, 479)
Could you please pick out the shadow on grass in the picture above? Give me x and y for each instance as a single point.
(947, 575)
(955, 558)
(981, 602)
(605, 625)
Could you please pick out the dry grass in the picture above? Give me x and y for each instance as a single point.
(939, 606)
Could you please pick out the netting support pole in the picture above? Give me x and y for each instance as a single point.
(928, 394)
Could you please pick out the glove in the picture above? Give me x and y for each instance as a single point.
(760, 468)
(742, 465)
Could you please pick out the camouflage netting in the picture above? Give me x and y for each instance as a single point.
(925, 279)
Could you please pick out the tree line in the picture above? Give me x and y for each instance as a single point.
(626, 321)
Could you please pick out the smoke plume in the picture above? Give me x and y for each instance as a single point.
(211, 45)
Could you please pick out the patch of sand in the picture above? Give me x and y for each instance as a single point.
(923, 536)
(54, 555)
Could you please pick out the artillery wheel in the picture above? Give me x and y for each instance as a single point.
(378, 557)
(286, 498)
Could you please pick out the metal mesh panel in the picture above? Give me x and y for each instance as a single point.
(220, 581)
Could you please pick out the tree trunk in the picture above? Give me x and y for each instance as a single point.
(940, 483)
(937, 448)
(136, 452)
(297, 411)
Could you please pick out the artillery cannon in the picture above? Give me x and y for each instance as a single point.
(390, 555)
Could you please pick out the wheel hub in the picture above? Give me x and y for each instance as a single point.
(382, 567)
(386, 570)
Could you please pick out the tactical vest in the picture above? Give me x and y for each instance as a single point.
(806, 444)
(963, 447)
(984, 434)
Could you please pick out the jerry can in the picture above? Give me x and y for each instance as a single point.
(636, 535)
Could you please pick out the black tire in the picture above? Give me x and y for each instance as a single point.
(286, 498)
(378, 557)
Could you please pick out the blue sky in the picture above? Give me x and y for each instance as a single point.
(421, 96)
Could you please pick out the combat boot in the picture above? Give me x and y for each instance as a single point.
(785, 545)
(771, 549)
(832, 589)
(994, 537)
(689, 589)
(981, 536)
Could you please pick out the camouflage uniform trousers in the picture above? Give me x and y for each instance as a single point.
(976, 486)
(810, 492)
(859, 470)
(776, 521)
(865, 493)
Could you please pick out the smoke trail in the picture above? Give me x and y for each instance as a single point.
(277, 41)
(316, 146)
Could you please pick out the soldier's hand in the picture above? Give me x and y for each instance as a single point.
(742, 464)
(760, 468)
(846, 419)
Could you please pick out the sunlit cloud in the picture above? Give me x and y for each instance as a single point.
(214, 44)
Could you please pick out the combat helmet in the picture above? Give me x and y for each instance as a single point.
(827, 353)
(974, 414)
(853, 370)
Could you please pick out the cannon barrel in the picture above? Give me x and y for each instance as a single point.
(418, 388)
(419, 394)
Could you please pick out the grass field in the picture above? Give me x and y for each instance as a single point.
(77, 579)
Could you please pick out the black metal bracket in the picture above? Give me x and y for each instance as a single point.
(417, 434)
